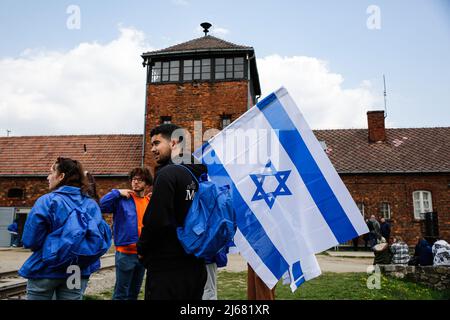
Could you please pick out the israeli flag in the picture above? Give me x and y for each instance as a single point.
(290, 202)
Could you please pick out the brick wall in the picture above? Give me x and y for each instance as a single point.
(34, 187)
(436, 277)
(189, 102)
(397, 190)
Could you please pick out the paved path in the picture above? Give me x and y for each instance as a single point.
(351, 254)
(12, 259)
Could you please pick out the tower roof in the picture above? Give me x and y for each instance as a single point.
(203, 44)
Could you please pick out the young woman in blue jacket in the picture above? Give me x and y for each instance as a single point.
(68, 187)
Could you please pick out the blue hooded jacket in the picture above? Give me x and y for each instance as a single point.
(125, 221)
(13, 227)
(424, 253)
(48, 214)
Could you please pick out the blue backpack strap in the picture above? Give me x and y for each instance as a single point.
(192, 174)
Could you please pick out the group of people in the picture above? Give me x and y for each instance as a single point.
(145, 219)
(427, 252)
(377, 230)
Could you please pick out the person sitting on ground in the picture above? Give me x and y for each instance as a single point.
(423, 254)
(441, 253)
(382, 253)
(400, 251)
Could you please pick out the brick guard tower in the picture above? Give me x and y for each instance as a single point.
(205, 79)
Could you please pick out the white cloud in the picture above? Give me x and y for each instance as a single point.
(317, 91)
(93, 88)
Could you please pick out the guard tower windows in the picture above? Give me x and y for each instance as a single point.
(199, 69)
(229, 68)
(165, 71)
(202, 69)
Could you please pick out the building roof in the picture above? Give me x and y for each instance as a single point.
(105, 154)
(411, 150)
(205, 43)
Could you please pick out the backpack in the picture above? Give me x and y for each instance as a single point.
(79, 241)
(210, 223)
(220, 258)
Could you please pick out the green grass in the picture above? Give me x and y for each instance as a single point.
(328, 286)
(106, 295)
(333, 286)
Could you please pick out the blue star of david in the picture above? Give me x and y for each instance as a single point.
(281, 190)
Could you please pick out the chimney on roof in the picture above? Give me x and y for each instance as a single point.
(375, 121)
(206, 26)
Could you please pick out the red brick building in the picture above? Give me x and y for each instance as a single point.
(396, 173)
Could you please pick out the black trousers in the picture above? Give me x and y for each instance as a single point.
(186, 283)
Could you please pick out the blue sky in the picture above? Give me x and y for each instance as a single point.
(412, 48)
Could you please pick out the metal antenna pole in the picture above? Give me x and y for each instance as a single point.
(385, 106)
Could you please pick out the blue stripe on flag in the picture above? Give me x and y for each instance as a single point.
(299, 282)
(297, 274)
(246, 220)
(301, 157)
(297, 270)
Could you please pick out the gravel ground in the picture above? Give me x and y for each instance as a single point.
(101, 281)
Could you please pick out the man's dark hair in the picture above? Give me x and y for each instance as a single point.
(166, 131)
(144, 173)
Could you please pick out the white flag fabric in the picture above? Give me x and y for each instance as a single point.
(290, 202)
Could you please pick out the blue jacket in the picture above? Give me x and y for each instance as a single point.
(424, 253)
(125, 224)
(385, 229)
(13, 227)
(48, 214)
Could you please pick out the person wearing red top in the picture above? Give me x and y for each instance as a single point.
(128, 207)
